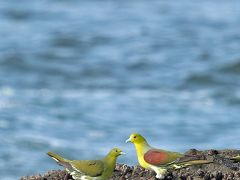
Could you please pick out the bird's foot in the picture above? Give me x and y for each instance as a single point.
(160, 173)
(160, 176)
(84, 178)
(177, 166)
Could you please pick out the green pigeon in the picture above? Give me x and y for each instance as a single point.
(89, 169)
(160, 160)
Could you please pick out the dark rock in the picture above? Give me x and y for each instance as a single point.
(192, 152)
(200, 173)
(207, 177)
(222, 169)
(212, 152)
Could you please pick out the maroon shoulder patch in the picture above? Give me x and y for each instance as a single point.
(155, 157)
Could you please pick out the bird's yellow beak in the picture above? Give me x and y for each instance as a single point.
(129, 140)
(122, 153)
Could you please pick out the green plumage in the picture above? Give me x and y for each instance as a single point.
(92, 168)
(187, 160)
(236, 158)
(89, 169)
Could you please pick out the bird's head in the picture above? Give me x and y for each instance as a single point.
(136, 139)
(115, 152)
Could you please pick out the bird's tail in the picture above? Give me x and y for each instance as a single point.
(236, 158)
(56, 157)
(191, 163)
(61, 161)
(198, 162)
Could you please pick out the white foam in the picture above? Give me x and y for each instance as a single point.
(4, 124)
(4, 104)
(7, 91)
(97, 134)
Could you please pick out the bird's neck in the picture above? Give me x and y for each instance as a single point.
(110, 162)
(141, 149)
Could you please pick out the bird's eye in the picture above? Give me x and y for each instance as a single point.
(116, 150)
(134, 137)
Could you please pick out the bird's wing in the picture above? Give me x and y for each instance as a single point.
(158, 157)
(187, 158)
(88, 167)
(190, 161)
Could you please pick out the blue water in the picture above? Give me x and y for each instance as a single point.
(77, 77)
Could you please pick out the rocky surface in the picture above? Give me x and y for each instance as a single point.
(222, 169)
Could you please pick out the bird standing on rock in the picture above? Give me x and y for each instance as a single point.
(90, 169)
(160, 160)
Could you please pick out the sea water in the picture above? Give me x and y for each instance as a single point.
(78, 77)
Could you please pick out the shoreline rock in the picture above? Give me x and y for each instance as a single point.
(222, 169)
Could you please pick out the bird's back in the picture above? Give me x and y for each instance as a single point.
(93, 168)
